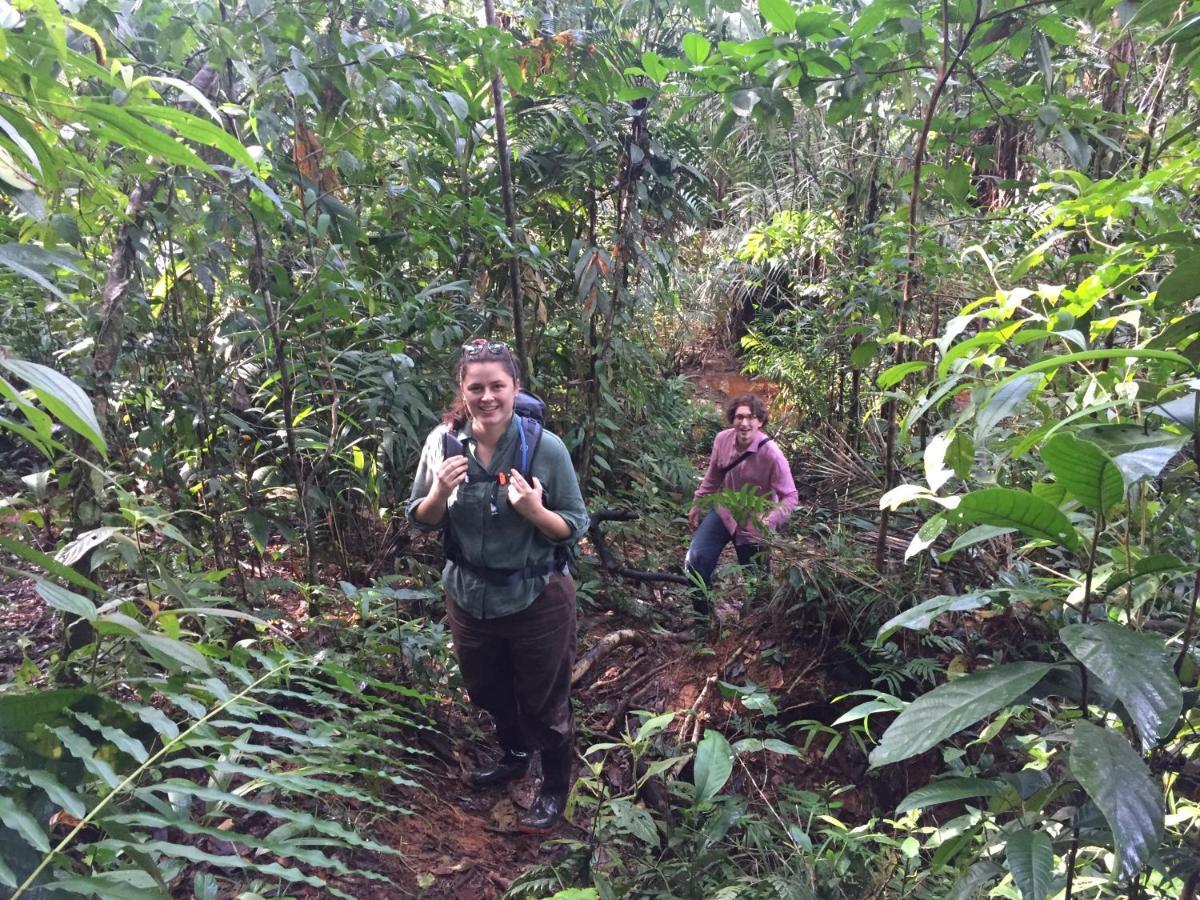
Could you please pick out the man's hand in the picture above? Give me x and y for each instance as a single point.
(524, 497)
(694, 518)
(450, 474)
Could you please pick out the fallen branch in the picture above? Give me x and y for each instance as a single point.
(601, 649)
(610, 564)
(693, 715)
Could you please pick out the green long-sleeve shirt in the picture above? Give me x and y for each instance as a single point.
(505, 540)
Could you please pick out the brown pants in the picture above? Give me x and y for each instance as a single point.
(518, 667)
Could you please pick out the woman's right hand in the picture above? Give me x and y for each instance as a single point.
(450, 474)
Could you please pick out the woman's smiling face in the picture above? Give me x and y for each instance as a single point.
(490, 393)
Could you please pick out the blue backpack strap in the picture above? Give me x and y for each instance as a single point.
(529, 435)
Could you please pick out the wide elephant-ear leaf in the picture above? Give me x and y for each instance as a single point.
(1089, 474)
(1010, 508)
(1135, 668)
(948, 709)
(1120, 785)
(1030, 857)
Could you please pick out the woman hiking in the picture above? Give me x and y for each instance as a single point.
(505, 495)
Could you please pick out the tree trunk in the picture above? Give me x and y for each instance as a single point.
(85, 482)
(510, 212)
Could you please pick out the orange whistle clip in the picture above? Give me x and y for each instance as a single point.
(503, 479)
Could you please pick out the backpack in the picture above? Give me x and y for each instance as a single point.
(530, 411)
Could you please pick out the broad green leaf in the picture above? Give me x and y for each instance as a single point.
(937, 473)
(713, 766)
(19, 140)
(893, 375)
(119, 738)
(175, 651)
(1181, 410)
(948, 709)
(68, 601)
(779, 14)
(38, 265)
(1050, 491)
(63, 397)
(1145, 464)
(1183, 328)
(904, 493)
(23, 824)
(1121, 786)
(49, 563)
(1030, 857)
(12, 174)
(193, 128)
(972, 536)
(634, 820)
(861, 356)
(922, 615)
(1087, 472)
(973, 879)
(1135, 668)
(696, 47)
(57, 791)
(138, 135)
(947, 790)
(744, 101)
(71, 553)
(1184, 281)
(457, 104)
(925, 536)
(1128, 437)
(1159, 564)
(1003, 402)
(1010, 508)
(83, 750)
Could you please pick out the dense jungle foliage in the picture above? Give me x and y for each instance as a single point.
(241, 242)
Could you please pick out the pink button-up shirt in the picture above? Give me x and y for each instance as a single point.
(766, 468)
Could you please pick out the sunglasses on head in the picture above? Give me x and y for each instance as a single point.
(479, 346)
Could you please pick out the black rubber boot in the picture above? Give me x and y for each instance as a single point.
(512, 765)
(551, 800)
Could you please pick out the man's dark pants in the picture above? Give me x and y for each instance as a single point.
(707, 543)
(518, 668)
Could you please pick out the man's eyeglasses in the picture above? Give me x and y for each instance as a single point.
(741, 417)
(479, 346)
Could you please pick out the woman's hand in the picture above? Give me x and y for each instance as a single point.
(524, 497)
(450, 474)
(694, 518)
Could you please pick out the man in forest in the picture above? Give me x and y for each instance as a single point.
(741, 455)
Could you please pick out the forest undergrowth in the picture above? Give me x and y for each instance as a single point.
(955, 245)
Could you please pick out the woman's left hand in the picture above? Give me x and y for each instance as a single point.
(524, 497)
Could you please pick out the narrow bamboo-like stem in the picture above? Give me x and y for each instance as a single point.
(1083, 694)
(510, 212)
(136, 773)
(947, 69)
(1189, 628)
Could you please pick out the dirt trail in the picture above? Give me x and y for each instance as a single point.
(462, 843)
(720, 377)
